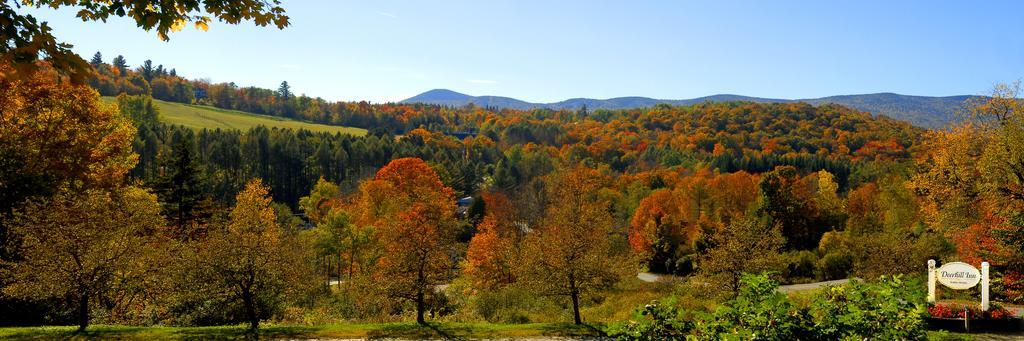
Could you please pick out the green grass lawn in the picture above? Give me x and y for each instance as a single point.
(201, 116)
(371, 331)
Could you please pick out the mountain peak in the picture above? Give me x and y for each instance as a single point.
(438, 95)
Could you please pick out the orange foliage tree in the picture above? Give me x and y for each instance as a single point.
(413, 216)
(493, 251)
(667, 225)
(655, 231)
(58, 136)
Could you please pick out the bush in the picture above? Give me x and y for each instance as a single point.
(655, 321)
(439, 305)
(995, 312)
(1008, 286)
(892, 252)
(800, 265)
(759, 312)
(508, 305)
(836, 265)
(313, 316)
(891, 309)
(683, 265)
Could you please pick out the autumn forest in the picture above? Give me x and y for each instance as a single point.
(663, 222)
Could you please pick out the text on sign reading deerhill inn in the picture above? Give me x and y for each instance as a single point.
(959, 275)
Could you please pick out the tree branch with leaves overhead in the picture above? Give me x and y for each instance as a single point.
(26, 40)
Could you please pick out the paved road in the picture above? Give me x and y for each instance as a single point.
(649, 277)
(652, 278)
(810, 286)
(1017, 310)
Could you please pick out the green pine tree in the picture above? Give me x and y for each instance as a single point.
(97, 60)
(284, 91)
(179, 185)
(121, 64)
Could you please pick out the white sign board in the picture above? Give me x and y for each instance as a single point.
(958, 275)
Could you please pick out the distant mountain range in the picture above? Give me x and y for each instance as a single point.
(923, 111)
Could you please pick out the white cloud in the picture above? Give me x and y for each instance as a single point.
(482, 81)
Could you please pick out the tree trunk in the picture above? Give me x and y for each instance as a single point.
(83, 312)
(420, 307)
(576, 308)
(574, 292)
(352, 259)
(735, 284)
(250, 309)
(327, 269)
(421, 282)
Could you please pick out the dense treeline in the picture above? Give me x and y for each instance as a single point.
(291, 161)
(728, 137)
(472, 161)
(612, 136)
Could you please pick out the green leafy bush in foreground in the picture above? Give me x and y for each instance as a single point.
(890, 309)
(654, 321)
(759, 312)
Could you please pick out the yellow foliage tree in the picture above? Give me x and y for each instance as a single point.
(252, 260)
(83, 247)
(572, 253)
(743, 246)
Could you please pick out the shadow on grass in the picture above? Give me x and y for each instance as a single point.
(51, 333)
(418, 331)
(146, 333)
(243, 333)
(460, 331)
(412, 331)
(573, 330)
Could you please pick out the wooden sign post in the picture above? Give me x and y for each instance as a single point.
(959, 276)
(984, 286)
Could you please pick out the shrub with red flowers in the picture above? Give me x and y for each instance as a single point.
(995, 312)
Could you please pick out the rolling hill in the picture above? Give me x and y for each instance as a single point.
(201, 116)
(924, 111)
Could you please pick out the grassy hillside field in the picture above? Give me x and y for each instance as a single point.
(201, 116)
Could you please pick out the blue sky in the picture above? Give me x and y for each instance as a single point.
(547, 51)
